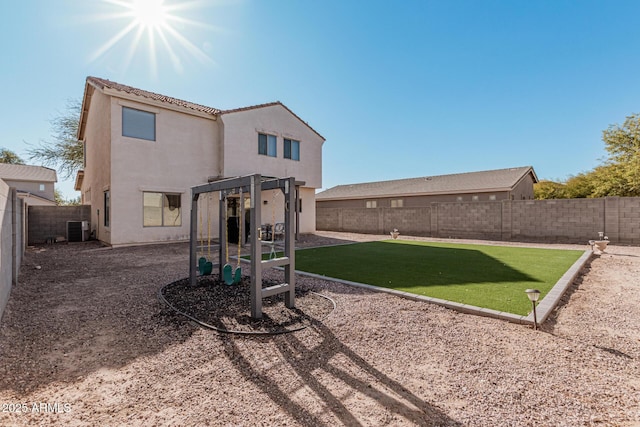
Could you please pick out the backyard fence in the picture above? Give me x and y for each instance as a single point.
(549, 221)
(51, 222)
(11, 241)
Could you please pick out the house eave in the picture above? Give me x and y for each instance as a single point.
(164, 105)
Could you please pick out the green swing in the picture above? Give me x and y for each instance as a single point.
(229, 276)
(205, 267)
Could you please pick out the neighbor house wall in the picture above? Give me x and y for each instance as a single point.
(414, 201)
(558, 221)
(34, 188)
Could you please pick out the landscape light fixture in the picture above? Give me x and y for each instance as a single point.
(534, 295)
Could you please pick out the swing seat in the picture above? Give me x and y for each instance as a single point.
(227, 274)
(205, 267)
(237, 276)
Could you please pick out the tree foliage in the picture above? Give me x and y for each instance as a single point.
(63, 151)
(619, 175)
(61, 201)
(8, 156)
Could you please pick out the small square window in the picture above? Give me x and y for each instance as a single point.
(492, 197)
(397, 203)
(459, 198)
(267, 145)
(138, 124)
(372, 204)
(42, 187)
(291, 149)
(474, 198)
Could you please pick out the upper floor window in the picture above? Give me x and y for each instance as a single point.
(397, 203)
(372, 204)
(267, 145)
(138, 124)
(42, 187)
(291, 149)
(492, 197)
(162, 210)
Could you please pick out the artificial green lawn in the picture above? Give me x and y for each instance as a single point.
(493, 277)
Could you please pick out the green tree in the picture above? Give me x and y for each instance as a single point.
(621, 172)
(580, 186)
(61, 201)
(8, 156)
(63, 151)
(546, 189)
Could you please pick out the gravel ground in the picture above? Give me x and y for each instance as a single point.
(85, 341)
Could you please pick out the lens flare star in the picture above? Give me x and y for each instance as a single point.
(154, 27)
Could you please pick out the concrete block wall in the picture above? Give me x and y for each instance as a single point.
(479, 220)
(553, 221)
(11, 241)
(51, 221)
(629, 221)
(412, 221)
(560, 220)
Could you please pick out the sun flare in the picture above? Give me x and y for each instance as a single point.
(151, 28)
(149, 13)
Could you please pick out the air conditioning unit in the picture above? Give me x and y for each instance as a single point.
(77, 231)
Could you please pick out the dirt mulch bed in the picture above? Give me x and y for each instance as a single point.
(213, 304)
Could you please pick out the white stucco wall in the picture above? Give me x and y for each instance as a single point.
(97, 168)
(184, 154)
(241, 156)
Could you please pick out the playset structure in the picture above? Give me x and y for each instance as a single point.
(241, 187)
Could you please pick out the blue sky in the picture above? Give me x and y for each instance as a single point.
(398, 89)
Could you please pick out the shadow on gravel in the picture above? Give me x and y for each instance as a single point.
(80, 307)
(331, 374)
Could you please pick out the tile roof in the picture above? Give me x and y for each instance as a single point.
(492, 180)
(104, 83)
(27, 173)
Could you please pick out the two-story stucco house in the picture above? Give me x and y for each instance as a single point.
(144, 151)
(34, 184)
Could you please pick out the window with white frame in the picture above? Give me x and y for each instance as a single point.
(291, 149)
(397, 203)
(492, 197)
(372, 204)
(267, 145)
(162, 209)
(42, 187)
(138, 124)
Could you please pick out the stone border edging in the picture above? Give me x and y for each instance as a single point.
(545, 307)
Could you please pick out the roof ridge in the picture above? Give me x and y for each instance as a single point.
(102, 83)
(435, 176)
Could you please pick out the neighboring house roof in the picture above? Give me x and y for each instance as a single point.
(27, 173)
(104, 84)
(470, 182)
